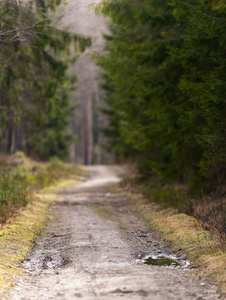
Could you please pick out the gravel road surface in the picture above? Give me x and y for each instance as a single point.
(95, 246)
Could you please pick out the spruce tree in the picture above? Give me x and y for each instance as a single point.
(165, 69)
(35, 91)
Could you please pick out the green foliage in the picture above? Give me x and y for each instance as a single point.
(13, 195)
(37, 176)
(21, 176)
(170, 197)
(35, 103)
(165, 86)
(203, 84)
(54, 170)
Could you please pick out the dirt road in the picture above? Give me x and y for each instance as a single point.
(94, 248)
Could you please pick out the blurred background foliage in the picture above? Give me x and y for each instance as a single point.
(35, 103)
(35, 99)
(21, 178)
(165, 86)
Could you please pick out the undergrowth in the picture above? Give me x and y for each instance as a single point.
(54, 170)
(170, 197)
(19, 177)
(13, 195)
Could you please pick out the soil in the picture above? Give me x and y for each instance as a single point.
(95, 248)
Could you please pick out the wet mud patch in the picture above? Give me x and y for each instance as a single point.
(52, 249)
(45, 261)
(121, 292)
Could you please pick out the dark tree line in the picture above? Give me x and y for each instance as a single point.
(35, 104)
(165, 82)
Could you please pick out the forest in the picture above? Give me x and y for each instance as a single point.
(35, 88)
(165, 82)
(35, 99)
(164, 73)
(112, 149)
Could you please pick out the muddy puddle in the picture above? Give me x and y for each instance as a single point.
(161, 261)
(165, 260)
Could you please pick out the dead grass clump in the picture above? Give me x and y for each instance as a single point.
(212, 212)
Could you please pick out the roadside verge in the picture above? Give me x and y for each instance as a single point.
(18, 234)
(187, 237)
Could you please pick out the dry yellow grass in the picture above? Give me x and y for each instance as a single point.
(17, 237)
(60, 185)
